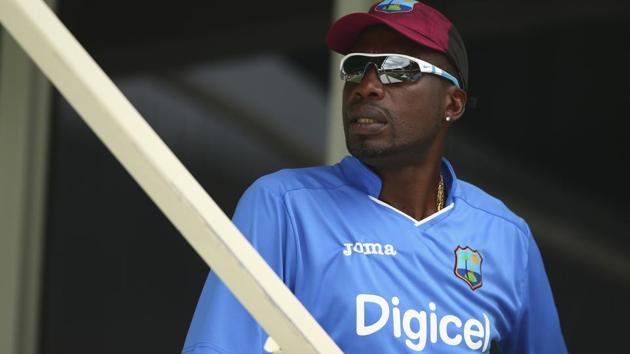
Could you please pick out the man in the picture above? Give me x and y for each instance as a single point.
(388, 250)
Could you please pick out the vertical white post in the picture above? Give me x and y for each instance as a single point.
(24, 121)
(336, 142)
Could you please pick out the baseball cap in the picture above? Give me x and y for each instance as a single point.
(414, 20)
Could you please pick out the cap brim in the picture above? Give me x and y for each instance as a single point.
(344, 33)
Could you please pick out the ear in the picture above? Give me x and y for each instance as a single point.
(456, 99)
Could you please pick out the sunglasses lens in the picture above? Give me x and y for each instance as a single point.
(391, 69)
(397, 69)
(354, 67)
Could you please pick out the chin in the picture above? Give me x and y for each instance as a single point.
(389, 155)
(363, 150)
(375, 157)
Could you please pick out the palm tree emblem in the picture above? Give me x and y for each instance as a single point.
(470, 275)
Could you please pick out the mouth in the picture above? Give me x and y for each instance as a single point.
(366, 122)
(366, 126)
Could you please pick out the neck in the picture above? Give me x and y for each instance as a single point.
(412, 189)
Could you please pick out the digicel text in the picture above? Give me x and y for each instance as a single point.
(472, 333)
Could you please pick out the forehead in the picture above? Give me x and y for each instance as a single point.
(382, 39)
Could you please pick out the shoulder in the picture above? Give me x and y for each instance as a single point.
(288, 180)
(491, 207)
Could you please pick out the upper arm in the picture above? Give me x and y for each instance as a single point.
(220, 323)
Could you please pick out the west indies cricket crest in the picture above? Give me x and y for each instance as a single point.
(394, 6)
(468, 266)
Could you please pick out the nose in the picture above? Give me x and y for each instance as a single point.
(370, 86)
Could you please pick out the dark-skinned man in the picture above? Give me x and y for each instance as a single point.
(388, 250)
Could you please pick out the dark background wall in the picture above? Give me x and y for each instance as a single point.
(239, 90)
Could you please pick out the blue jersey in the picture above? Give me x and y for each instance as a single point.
(379, 281)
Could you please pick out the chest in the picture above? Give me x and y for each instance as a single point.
(381, 279)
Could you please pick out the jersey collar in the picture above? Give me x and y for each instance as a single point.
(364, 179)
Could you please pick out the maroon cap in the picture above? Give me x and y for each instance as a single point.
(414, 20)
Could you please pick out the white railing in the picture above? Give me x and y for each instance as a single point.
(162, 176)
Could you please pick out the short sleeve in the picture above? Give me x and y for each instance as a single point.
(220, 323)
(538, 327)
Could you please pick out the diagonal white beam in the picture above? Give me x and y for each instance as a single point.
(162, 176)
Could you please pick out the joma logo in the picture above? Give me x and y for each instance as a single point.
(369, 248)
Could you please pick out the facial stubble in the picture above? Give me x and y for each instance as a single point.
(395, 150)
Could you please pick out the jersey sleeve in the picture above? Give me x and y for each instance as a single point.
(538, 327)
(220, 323)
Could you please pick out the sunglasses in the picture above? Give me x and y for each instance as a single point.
(391, 68)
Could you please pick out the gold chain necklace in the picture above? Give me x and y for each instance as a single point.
(440, 194)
